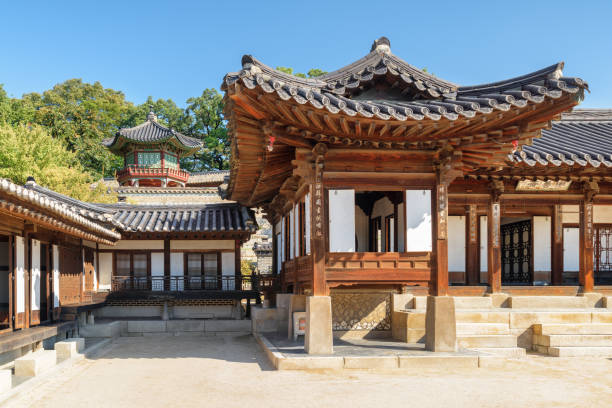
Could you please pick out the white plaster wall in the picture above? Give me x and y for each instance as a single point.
(456, 244)
(176, 269)
(483, 244)
(136, 244)
(200, 244)
(279, 258)
(342, 220)
(602, 214)
(401, 235)
(228, 268)
(570, 214)
(542, 244)
(157, 269)
(96, 271)
(361, 229)
(571, 249)
(418, 220)
(307, 223)
(283, 238)
(56, 275)
(35, 275)
(19, 278)
(4, 263)
(106, 270)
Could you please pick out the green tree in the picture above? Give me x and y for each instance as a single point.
(313, 73)
(82, 115)
(204, 116)
(29, 150)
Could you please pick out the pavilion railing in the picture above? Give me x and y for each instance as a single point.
(133, 170)
(185, 283)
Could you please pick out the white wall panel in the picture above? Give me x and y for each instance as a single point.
(19, 278)
(35, 275)
(228, 268)
(342, 220)
(401, 235)
(361, 229)
(96, 271)
(307, 223)
(56, 276)
(570, 214)
(136, 244)
(418, 220)
(106, 270)
(456, 244)
(157, 269)
(200, 244)
(483, 244)
(571, 249)
(602, 214)
(542, 244)
(176, 269)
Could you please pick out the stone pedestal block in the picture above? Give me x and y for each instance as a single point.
(34, 363)
(440, 324)
(6, 380)
(318, 338)
(165, 315)
(90, 319)
(69, 348)
(283, 301)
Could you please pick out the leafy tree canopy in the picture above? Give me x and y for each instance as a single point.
(313, 73)
(29, 150)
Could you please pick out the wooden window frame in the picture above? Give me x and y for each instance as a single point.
(389, 220)
(302, 227)
(131, 253)
(219, 284)
(375, 221)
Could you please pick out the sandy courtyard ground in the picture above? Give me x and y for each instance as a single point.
(188, 371)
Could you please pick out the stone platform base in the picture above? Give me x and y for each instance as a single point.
(373, 355)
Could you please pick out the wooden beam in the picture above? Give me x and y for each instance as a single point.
(556, 249)
(494, 244)
(472, 248)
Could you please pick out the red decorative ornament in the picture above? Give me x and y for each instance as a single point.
(515, 144)
(271, 143)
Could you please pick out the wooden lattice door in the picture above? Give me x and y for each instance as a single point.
(89, 269)
(602, 264)
(517, 267)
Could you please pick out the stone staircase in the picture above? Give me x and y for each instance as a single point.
(511, 325)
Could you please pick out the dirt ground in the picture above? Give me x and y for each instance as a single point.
(190, 371)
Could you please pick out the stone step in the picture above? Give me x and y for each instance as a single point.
(549, 302)
(482, 328)
(527, 318)
(482, 316)
(602, 316)
(473, 302)
(580, 351)
(69, 348)
(496, 341)
(573, 340)
(607, 302)
(510, 352)
(34, 363)
(6, 380)
(592, 328)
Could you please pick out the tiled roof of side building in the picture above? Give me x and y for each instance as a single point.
(415, 94)
(151, 132)
(582, 137)
(221, 217)
(208, 177)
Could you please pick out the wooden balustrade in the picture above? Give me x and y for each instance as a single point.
(380, 267)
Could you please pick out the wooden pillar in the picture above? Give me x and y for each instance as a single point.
(586, 246)
(274, 248)
(318, 223)
(439, 206)
(166, 263)
(494, 244)
(472, 247)
(395, 227)
(556, 255)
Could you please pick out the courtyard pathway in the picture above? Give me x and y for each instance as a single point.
(189, 371)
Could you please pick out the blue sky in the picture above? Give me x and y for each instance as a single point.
(175, 49)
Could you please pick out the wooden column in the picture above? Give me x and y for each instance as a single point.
(494, 237)
(472, 247)
(586, 275)
(318, 225)
(556, 249)
(274, 248)
(439, 206)
(166, 263)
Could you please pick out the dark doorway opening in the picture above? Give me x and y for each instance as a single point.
(602, 264)
(5, 283)
(517, 254)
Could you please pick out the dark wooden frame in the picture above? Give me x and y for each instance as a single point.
(202, 270)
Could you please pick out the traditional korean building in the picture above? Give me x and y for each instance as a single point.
(380, 178)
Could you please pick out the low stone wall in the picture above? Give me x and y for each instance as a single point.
(185, 309)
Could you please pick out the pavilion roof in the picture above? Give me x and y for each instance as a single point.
(581, 138)
(152, 133)
(380, 102)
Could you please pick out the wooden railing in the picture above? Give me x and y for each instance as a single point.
(298, 269)
(387, 267)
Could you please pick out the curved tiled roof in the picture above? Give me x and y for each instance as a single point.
(226, 217)
(429, 97)
(208, 177)
(151, 132)
(582, 137)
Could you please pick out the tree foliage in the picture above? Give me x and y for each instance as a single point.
(313, 73)
(29, 150)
